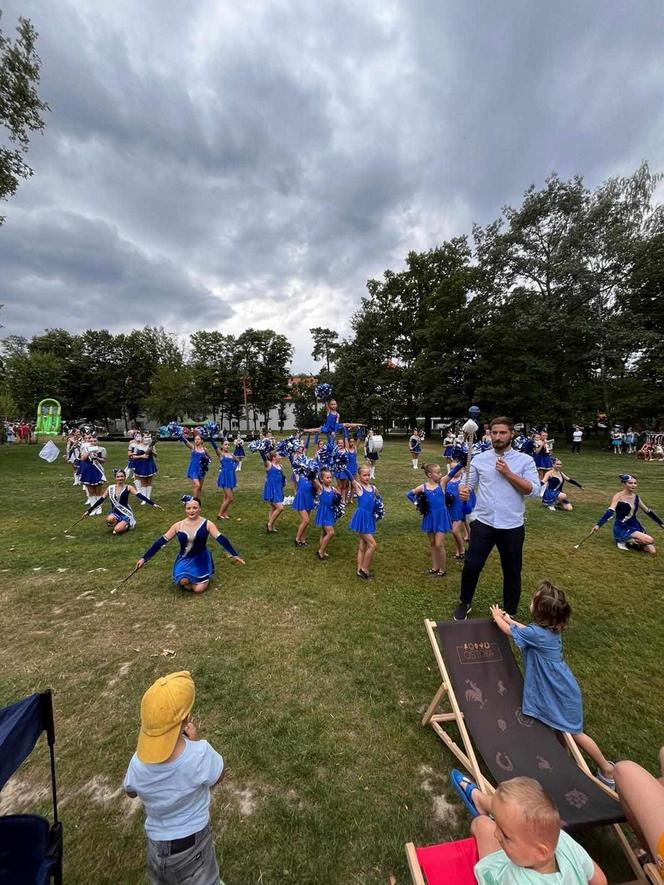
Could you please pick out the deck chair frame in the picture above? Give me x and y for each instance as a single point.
(468, 758)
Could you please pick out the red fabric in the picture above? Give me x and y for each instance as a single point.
(450, 863)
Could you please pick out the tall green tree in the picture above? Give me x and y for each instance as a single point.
(21, 109)
(326, 343)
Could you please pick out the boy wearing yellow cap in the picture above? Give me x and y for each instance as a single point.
(172, 772)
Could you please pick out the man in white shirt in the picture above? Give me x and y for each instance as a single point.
(502, 478)
(577, 436)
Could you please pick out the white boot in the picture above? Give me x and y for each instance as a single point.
(372, 474)
(415, 462)
(238, 466)
(147, 491)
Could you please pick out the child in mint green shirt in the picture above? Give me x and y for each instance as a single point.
(522, 843)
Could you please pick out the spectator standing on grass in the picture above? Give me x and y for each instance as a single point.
(172, 773)
(577, 438)
(502, 479)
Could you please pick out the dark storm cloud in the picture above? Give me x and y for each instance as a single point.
(272, 156)
(60, 269)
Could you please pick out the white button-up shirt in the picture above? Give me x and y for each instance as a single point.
(499, 504)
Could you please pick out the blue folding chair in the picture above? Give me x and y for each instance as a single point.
(30, 847)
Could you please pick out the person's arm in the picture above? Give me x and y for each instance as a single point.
(132, 491)
(571, 481)
(598, 877)
(469, 482)
(608, 514)
(413, 493)
(161, 541)
(97, 503)
(448, 476)
(186, 442)
(224, 542)
(651, 514)
(528, 485)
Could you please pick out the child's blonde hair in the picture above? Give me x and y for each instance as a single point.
(550, 607)
(428, 468)
(538, 808)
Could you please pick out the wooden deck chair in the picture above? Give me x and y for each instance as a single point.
(443, 864)
(483, 686)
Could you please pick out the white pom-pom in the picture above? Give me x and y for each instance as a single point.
(470, 426)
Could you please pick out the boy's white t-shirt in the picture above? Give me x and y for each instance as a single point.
(575, 867)
(577, 436)
(176, 795)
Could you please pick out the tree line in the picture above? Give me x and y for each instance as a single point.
(98, 376)
(553, 313)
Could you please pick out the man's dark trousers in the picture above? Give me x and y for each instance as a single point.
(483, 538)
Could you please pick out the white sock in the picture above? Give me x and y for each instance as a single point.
(372, 474)
(239, 466)
(139, 485)
(415, 464)
(148, 492)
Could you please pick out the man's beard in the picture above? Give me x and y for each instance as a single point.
(499, 446)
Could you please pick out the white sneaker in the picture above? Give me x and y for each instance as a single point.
(551, 507)
(622, 546)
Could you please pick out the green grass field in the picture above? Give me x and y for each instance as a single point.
(309, 682)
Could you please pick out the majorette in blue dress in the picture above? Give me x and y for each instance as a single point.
(332, 423)
(227, 478)
(625, 522)
(352, 463)
(144, 467)
(437, 517)
(238, 451)
(363, 520)
(304, 496)
(552, 490)
(91, 470)
(550, 691)
(194, 561)
(198, 464)
(324, 511)
(273, 490)
(457, 508)
(543, 459)
(414, 444)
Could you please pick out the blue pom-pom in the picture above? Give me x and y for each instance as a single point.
(460, 454)
(209, 430)
(324, 457)
(339, 460)
(323, 392)
(518, 442)
(379, 507)
(174, 428)
(422, 503)
(338, 506)
(288, 446)
(307, 467)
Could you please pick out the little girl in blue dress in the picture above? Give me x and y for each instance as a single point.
(436, 520)
(226, 479)
(199, 463)
(364, 521)
(325, 511)
(273, 490)
(550, 691)
(303, 504)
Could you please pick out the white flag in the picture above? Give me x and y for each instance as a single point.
(50, 452)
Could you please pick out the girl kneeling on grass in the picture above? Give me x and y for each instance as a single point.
(193, 567)
(430, 500)
(550, 691)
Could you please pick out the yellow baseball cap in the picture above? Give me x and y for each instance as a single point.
(164, 706)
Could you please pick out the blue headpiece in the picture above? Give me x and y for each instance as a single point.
(625, 477)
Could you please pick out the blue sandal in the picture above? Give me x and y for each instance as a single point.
(465, 792)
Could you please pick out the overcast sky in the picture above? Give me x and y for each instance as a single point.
(217, 165)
